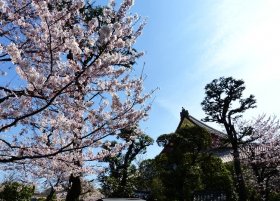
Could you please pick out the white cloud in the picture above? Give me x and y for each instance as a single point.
(248, 35)
(246, 44)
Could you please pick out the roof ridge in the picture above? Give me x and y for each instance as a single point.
(195, 121)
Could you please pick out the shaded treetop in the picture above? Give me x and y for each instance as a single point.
(224, 100)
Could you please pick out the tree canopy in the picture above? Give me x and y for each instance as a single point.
(70, 84)
(16, 191)
(119, 179)
(186, 166)
(224, 104)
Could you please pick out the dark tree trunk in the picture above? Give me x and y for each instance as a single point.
(220, 95)
(241, 188)
(123, 182)
(51, 194)
(75, 190)
(264, 189)
(129, 156)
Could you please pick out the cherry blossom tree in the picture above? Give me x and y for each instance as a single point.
(67, 83)
(262, 154)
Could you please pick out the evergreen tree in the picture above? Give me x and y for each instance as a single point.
(16, 191)
(186, 166)
(119, 178)
(224, 104)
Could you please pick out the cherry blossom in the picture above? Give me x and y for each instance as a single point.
(73, 84)
(262, 153)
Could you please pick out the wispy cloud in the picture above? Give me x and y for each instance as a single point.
(247, 37)
(246, 44)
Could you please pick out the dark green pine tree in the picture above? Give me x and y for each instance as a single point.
(224, 104)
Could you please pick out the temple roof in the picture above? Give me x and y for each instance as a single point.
(219, 149)
(189, 121)
(224, 152)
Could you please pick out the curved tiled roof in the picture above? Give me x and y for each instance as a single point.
(186, 117)
(223, 152)
(206, 127)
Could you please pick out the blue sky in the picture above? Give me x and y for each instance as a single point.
(190, 43)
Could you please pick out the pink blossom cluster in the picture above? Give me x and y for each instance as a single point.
(265, 141)
(262, 153)
(74, 85)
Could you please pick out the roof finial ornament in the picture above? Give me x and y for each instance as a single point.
(184, 113)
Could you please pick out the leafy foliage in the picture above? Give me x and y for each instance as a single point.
(184, 166)
(16, 191)
(119, 178)
(224, 104)
(224, 100)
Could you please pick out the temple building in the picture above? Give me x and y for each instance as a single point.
(218, 138)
